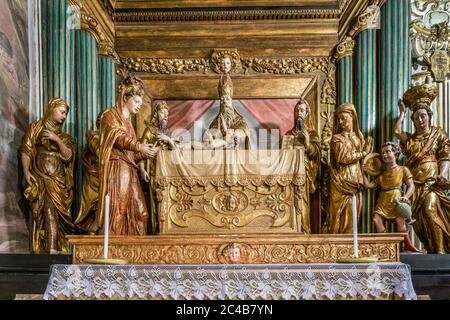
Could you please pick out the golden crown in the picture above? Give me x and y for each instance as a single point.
(424, 93)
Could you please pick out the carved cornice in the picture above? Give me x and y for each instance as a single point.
(107, 7)
(344, 48)
(235, 15)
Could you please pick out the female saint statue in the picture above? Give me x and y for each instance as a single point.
(119, 153)
(427, 155)
(348, 148)
(48, 156)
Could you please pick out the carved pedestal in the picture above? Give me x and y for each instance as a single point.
(247, 249)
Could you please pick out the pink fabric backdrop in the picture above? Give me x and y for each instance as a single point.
(269, 113)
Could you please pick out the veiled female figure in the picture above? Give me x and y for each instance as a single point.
(119, 153)
(348, 148)
(304, 135)
(87, 215)
(427, 155)
(48, 156)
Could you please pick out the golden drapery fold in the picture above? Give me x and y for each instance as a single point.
(312, 162)
(430, 204)
(346, 181)
(86, 218)
(51, 197)
(118, 153)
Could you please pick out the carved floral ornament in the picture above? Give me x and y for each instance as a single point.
(239, 64)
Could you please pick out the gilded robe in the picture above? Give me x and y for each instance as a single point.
(430, 204)
(118, 154)
(390, 183)
(86, 219)
(150, 136)
(312, 161)
(50, 199)
(236, 123)
(346, 181)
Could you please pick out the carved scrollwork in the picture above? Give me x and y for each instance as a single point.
(167, 66)
(232, 252)
(229, 208)
(344, 48)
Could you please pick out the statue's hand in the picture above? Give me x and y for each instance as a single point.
(307, 138)
(46, 134)
(29, 178)
(144, 175)
(405, 200)
(236, 140)
(442, 181)
(149, 150)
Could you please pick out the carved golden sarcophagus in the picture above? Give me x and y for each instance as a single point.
(230, 191)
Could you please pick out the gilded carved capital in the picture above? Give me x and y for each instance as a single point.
(344, 48)
(106, 49)
(369, 19)
(104, 44)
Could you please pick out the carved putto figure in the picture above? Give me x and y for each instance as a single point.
(390, 183)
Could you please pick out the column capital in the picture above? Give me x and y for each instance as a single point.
(344, 48)
(104, 45)
(369, 19)
(107, 49)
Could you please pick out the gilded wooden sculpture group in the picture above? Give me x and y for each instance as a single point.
(116, 161)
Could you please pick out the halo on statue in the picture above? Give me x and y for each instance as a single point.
(104, 261)
(372, 163)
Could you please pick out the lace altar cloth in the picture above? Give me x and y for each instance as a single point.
(198, 282)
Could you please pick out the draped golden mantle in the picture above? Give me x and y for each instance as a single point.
(230, 191)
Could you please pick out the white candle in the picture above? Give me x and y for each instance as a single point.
(106, 227)
(355, 228)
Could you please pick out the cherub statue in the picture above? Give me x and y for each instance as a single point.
(391, 200)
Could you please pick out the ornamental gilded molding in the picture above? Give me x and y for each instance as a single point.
(344, 48)
(169, 66)
(250, 253)
(369, 19)
(235, 15)
(104, 44)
